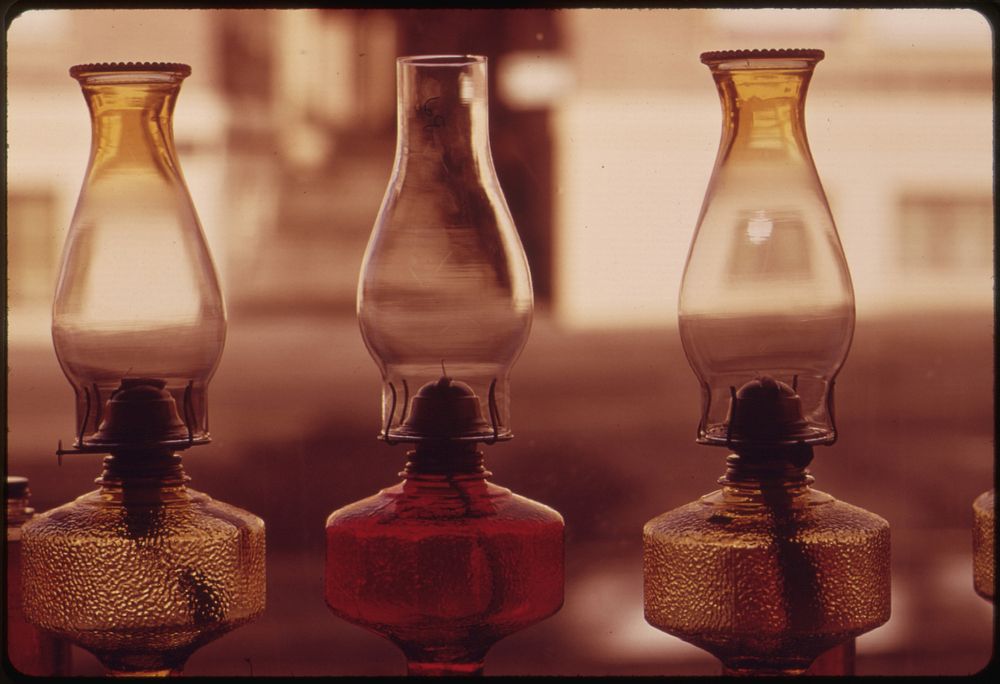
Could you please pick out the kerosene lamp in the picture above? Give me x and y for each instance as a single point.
(29, 650)
(445, 563)
(766, 573)
(144, 570)
(984, 544)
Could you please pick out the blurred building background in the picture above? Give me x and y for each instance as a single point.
(604, 128)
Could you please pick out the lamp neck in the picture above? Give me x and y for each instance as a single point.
(751, 472)
(132, 126)
(764, 113)
(129, 472)
(434, 459)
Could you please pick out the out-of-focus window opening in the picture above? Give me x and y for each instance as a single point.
(767, 244)
(32, 249)
(945, 234)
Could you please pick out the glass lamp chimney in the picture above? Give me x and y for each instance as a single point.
(766, 310)
(137, 296)
(444, 290)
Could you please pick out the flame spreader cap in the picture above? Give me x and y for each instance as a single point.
(140, 412)
(444, 410)
(767, 411)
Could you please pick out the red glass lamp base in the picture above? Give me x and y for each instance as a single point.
(444, 566)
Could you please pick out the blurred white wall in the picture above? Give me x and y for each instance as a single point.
(242, 138)
(48, 131)
(900, 108)
(899, 117)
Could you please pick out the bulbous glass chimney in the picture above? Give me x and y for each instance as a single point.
(445, 290)
(138, 297)
(766, 309)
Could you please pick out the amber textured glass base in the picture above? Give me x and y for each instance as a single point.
(143, 571)
(983, 536)
(767, 573)
(444, 564)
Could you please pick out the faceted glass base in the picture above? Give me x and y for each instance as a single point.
(444, 566)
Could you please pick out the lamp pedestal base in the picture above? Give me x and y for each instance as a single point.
(767, 573)
(145, 570)
(444, 564)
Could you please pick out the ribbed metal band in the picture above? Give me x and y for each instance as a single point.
(441, 60)
(105, 67)
(769, 53)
